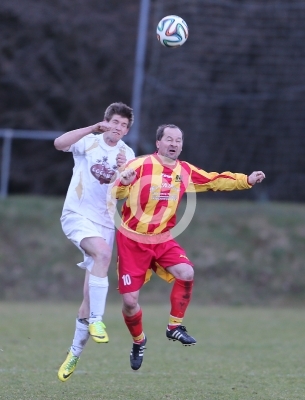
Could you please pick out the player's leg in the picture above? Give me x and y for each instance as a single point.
(132, 314)
(100, 252)
(77, 228)
(133, 261)
(81, 336)
(169, 255)
(180, 298)
(95, 242)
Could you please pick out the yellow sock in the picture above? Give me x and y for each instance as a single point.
(139, 338)
(174, 321)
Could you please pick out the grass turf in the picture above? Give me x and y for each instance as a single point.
(242, 353)
(244, 253)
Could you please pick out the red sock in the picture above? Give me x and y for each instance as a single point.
(180, 298)
(134, 325)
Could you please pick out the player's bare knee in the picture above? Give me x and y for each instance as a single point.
(189, 274)
(185, 272)
(186, 275)
(103, 256)
(130, 302)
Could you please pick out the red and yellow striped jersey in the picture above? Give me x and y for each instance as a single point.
(154, 195)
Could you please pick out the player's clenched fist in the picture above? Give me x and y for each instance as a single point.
(256, 177)
(127, 176)
(102, 126)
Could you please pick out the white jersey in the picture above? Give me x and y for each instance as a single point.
(94, 166)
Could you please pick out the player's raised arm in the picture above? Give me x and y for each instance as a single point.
(66, 140)
(202, 181)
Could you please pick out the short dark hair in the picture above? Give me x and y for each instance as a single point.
(161, 128)
(120, 109)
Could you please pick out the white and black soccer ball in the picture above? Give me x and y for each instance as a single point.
(172, 31)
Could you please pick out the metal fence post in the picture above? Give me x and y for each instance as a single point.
(133, 136)
(6, 160)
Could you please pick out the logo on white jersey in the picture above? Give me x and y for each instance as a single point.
(102, 171)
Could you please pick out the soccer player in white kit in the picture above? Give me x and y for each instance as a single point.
(87, 216)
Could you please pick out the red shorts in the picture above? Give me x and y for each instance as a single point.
(135, 258)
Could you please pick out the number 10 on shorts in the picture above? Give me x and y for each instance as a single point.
(126, 279)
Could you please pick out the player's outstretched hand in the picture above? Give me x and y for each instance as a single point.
(256, 177)
(127, 176)
(101, 127)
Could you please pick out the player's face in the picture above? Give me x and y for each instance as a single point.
(118, 129)
(170, 145)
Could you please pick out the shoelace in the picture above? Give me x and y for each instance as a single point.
(183, 328)
(72, 362)
(138, 349)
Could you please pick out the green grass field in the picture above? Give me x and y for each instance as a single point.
(244, 253)
(242, 353)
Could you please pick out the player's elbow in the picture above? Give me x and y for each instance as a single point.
(59, 145)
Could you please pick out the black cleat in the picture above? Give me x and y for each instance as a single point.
(136, 354)
(180, 334)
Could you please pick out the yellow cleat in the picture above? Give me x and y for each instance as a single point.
(68, 367)
(98, 333)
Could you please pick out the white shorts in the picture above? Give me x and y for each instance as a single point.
(77, 227)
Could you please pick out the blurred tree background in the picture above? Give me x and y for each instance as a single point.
(236, 87)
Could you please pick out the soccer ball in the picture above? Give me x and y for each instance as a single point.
(172, 31)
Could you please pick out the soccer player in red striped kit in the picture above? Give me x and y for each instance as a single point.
(154, 185)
